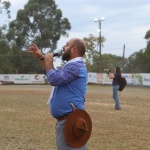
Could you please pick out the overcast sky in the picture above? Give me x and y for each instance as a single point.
(126, 21)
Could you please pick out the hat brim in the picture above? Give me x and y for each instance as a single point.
(71, 140)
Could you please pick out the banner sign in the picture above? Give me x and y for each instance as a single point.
(106, 79)
(92, 77)
(137, 79)
(37, 78)
(6, 79)
(100, 78)
(146, 79)
(21, 79)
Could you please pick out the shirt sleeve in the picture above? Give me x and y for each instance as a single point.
(63, 75)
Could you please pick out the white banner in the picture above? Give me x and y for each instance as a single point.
(37, 78)
(137, 79)
(99, 78)
(146, 79)
(7, 79)
(92, 77)
(21, 79)
(106, 79)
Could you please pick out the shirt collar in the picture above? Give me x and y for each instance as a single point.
(74, 60)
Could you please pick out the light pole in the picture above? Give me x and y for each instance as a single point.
(100, 45)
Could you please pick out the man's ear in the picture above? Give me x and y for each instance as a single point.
(74, 49)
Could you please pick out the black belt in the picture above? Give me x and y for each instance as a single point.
(62, 117)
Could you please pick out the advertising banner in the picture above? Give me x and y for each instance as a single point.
(100, 79)
(92, 77)
(146, 79)
(137, 79)
(21, 78)
(37, 78)
(6, 79)
(106, 79)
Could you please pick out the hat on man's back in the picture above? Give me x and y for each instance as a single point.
(78, 128)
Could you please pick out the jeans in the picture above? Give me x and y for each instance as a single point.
(115, 96)
(60, 138)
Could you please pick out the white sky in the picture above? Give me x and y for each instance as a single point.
(127, 21)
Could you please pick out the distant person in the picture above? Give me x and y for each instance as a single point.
(115, 85)
(69, 83)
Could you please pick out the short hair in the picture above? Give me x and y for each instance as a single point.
(80, 46)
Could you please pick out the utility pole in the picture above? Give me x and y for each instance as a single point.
(100, 47)
(123, 58)
(99, 41)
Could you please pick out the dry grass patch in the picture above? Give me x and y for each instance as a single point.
(25, 122)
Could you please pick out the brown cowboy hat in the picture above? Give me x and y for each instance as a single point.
(78, 128)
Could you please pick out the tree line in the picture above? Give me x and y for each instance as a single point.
(43, 23)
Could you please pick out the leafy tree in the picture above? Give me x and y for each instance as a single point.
(111, 61)
(40, 22)
(92, 55)
(22, 62)
(135, 63)
(5, 65)
(147, 37)
(139, 62)
(6, 5)
(147, 53)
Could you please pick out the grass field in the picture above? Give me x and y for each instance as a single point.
(26, 124)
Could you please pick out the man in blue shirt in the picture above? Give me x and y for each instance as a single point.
(69, 83)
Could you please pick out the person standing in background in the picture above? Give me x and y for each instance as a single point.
(115, 86)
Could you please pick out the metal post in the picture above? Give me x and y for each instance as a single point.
(100, 41)
(100, 46)
(123, 58)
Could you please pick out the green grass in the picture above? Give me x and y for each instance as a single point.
(26, 124)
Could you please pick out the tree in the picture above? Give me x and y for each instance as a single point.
(147, 37)
(92, 55)
(5, 65)
(40, 22)
(136, 62)
(6, 5)
(147, 52)
(111, 61)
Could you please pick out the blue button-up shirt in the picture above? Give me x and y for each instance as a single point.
(70, 87)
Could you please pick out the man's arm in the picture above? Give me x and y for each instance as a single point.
(48, 62)
(34, 51)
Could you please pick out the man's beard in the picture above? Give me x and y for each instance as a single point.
(67, 55)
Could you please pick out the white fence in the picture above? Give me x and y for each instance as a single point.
(142, 79)
(22, 78)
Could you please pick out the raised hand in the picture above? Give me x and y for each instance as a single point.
(33, 50)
